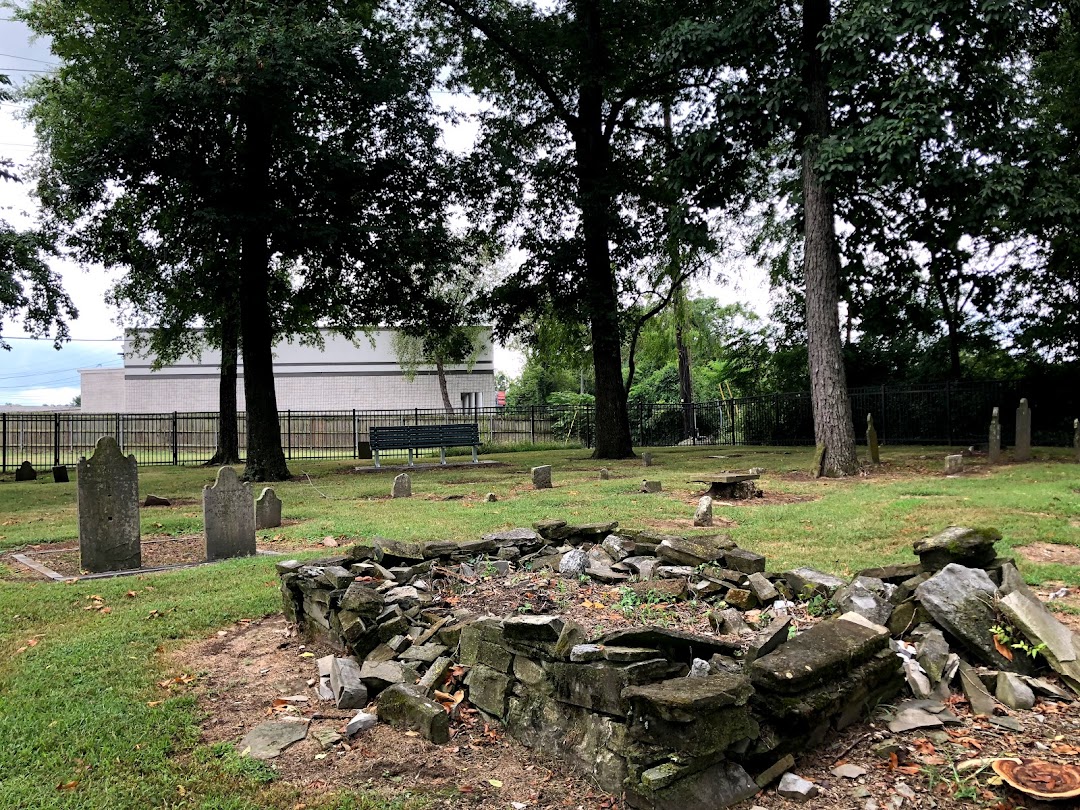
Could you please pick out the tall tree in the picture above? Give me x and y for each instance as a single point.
(577, 91)
(296, 136)
(29, 290)
(834, 431)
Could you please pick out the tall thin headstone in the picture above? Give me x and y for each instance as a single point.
(1023, 432)
(871, 440)
(108, 494)
(995, 438)
(267, 510)
(228, 517)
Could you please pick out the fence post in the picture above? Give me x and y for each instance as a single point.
(56, 439)
(288, 429)
(948, 413)
(176, 441)
(355, 436)
(883, 434)
(732, 421)
(641, 424)
(119, 430)
(3, 442)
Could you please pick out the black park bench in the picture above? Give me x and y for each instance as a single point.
(415, 437)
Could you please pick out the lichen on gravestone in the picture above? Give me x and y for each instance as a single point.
(108, 494)
(228, 517)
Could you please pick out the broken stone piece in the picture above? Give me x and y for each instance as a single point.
(349, 691)
(1013, 692)
(363, 721)
(807, 582)
(703, 515)
(693, 551)
(972, 548)
(267, 740)
(651, 486)
(796, 788)
(406, 706)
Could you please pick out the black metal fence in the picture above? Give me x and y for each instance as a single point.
(953, 414)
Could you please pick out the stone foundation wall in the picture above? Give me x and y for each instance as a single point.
(664, 718)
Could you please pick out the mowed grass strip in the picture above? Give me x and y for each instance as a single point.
(84, 723)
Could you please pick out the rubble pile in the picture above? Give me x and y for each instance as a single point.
(666, 718)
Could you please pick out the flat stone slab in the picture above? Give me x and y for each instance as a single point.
(675, 645)
(961, 601)
(1040, 626)
(268, 740)
(825, 651)
(406, 706)
(725, 478)
(684, 700)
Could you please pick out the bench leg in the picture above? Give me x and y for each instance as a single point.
(376, 453)
(410, 457)
(442, 455)
(474, 461)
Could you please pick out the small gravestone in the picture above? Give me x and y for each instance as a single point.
(228, 517)
(703, 515)
(402, 486)
(267, 510)
(646, 459)
(954, 465)
(26, 472)
(1076, 437)
(491, 497)
(995, 438)
(651, 486)
(1023, 432)
(605, 474)
(156, 500)
(108, 494)
(60, 474)
(541, 477)
(871, 440)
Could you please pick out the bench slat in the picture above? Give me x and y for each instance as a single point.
(405, 437)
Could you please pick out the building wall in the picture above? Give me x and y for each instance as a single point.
(103, 390)
(343, 376)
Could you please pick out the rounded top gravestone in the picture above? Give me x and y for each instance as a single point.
(108, 492)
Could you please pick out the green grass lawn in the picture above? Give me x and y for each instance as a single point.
(75, 684)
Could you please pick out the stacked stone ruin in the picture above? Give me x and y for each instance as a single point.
(662, 717)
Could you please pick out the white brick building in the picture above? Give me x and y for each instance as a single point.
(342, 375)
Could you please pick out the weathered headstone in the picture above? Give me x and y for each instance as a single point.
(228, 517)
(995, 438)
(646, 459)
(491, 497)
(402, 486)
(954, 464)
(108, 493)
(541, 477)
(651, 486)
(871, 440)
(1023, 432)
(605, 474)
(60, 474)
(26, 472)
(267, 510)
(703, 514)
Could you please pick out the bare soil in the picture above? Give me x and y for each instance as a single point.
(157, 551)
(1050, 553)
(242, 670)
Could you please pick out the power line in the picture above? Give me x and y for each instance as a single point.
(22, 70)
(29, 59)
(68, 340)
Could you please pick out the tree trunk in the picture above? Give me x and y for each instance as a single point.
(952, 322)
(686, 388)
(593, 161)
(833, 428)
(265, 458)
(228, 444)
(441, 371)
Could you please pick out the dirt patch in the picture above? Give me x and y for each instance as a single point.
(157, 551)
(243, 669)
(1060, 553)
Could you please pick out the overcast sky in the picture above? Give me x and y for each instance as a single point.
(33, 372)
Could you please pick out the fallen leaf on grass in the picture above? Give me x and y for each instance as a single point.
(153, 703)
(495, 782)
(74, 783)
(131, 594)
